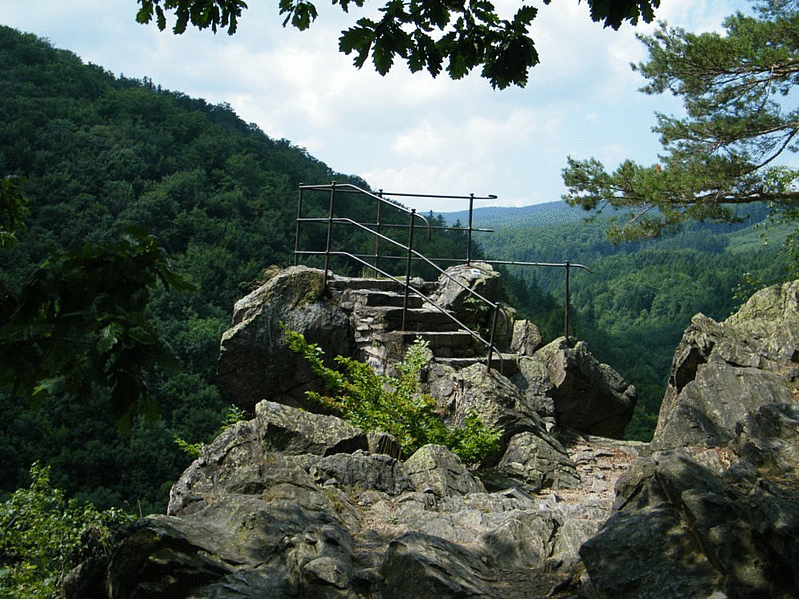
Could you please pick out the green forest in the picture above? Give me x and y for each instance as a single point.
(177, 206)
(151, 213)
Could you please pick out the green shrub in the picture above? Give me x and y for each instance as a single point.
(43, 536)
(394, 405)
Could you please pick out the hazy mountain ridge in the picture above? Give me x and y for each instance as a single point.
(503, 217)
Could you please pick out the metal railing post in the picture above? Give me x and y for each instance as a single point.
(469, 232)
(329, 230)
(566, 307)
(491, 339)
(408, 267)
(297, 229)
(377, 237)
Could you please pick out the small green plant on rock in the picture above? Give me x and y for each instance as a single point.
(232, 415)
(395, 405)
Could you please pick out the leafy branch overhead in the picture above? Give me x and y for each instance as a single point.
(80, 323)
(433, 35)
(738, 90)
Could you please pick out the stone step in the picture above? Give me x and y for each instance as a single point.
(420, 319)
(339, 283)
(392, 299)
(443, 344)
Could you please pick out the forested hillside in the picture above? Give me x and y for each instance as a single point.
(96, 154)
(639, 297)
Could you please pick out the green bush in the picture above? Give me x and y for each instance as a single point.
(394, 405)
(45, 535)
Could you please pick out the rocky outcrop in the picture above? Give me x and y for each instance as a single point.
(355, 317)
(724, 371)
(714, 512)
(281, 510)
(294, 504)
(255, 360)
(578, 392)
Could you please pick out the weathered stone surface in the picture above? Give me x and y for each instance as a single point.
(435, 469)
(419, 565)
(687, 532)
(361, 470)
(589, 397)
(497, 401)
(453, 293)
(527, 339)
(293, 431)
(236, 460)
(454, 288)
(540, 462)
(291, 504)
(723, 371)
(255, 361)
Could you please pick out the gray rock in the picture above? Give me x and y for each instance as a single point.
(363, 471)
(539, 461)
(292, 504)
(419, 565)
(495, 399)
(585, 395)
(236, 461)
(453, 293)
(723, 371)
(527, 339)
(255, 361)
(435, 469)
(684, 532)
(293, 431)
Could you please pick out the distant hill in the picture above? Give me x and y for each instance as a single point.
(497, 218)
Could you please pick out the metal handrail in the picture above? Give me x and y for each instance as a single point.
(406, 285)
(410, 253)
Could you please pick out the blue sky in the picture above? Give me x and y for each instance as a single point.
(401, 132)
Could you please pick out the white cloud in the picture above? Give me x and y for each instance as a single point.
(403, 131)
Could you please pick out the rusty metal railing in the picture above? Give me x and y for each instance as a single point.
(375, 229)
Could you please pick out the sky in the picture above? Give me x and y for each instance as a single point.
(403, 132)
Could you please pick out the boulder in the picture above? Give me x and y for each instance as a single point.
(527, 339)
(683, 531)
(294, 431)
(435, 469)
(539, 461)
(714, 512)
(234, 462)
(584, 394)
(255, 361)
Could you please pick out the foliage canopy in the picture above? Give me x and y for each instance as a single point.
(80, 322)
(739, 92)
(434, 35)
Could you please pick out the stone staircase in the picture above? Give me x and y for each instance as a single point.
(376, 306)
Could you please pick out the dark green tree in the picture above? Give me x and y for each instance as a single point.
(434, 35)
(738, 89)
(12, 210)
(80, 323)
